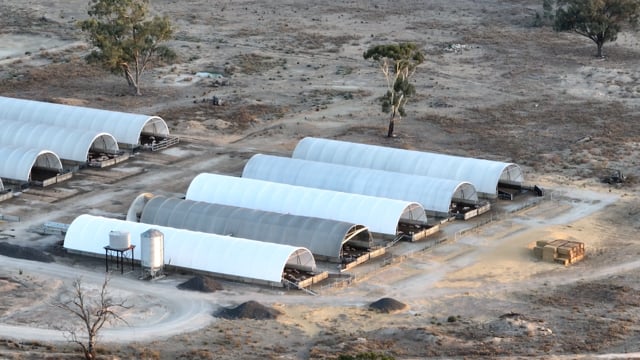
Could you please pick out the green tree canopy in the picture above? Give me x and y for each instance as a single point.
(125, 40)
(398, 63)
(598, 20)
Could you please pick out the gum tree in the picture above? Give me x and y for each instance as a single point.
(598, 20)
(398, 62)
(125, 40)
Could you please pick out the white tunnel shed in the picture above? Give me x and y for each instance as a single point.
(485, 175)
(125, 127)
(323, 237)
(16, 163)
(68, 144)
(380, 215)
(434, 194)
(217, 254)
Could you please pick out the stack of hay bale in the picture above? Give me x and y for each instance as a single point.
(564, 252)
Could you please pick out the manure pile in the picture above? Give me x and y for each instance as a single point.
(200, 283)
(387, 305)
(22, 252)
(249, 310)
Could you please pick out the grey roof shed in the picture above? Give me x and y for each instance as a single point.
(323, 237)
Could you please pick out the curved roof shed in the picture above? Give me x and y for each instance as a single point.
(434, 194)
(322, 237)
(68, 144)
(483, 174)
(125, 127)
(217, 254)
(381, 215)
(17, 162)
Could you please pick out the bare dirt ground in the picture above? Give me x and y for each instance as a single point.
(493, 86)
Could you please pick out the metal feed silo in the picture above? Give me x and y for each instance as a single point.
(152, 251)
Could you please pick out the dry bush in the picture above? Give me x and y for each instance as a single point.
(525, 131)
(252, 64)
(198, 354)
(631, 179)
(147, 353)
(247, 33)
(239, 116)
(317, 41)
(317, 97)
(62, 73)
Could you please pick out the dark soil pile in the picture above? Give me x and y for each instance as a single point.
(249, 310)
(387, 305)
(22, 252)
(200, 283)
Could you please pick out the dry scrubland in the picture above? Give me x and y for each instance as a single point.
(493, 86)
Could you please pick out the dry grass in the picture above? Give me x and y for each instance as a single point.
(235, 115)
(533, 130)
(318, 41)
(251, 64)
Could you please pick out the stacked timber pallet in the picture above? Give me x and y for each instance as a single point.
(564, 252)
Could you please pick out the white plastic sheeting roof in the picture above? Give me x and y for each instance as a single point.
(434, 194)
(125, 127)
(68, 144)
(380, 215)
(483, 174)
(194, 250)
(16, 162)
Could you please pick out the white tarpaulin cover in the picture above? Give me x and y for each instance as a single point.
(322, 237)
(380, 215)
(125, 127)
(483, 174)
(434, 194)
(68, 144)
(194, 250)
(16, 162)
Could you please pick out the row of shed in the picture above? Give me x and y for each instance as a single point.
(39, 139)
(485, 175)
(381, 215)
(443, 185)
(435, 195)
(327, 224)
(302, 206)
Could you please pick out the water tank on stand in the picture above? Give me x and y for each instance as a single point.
(152, 252)
(119, 239)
